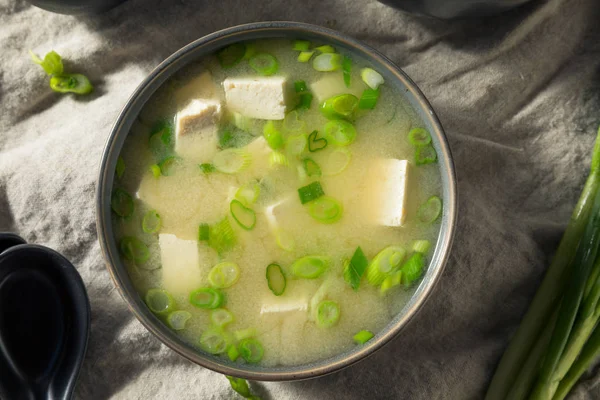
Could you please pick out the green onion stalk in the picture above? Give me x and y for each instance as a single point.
(550, 291)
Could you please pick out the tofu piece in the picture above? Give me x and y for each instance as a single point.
(180, 259)
(196, 130)
(260, 98)
(259, 151)
(385, 197)
(201, 87)
(331, 85)
(283, 307)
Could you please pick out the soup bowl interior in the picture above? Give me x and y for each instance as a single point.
(208, 45)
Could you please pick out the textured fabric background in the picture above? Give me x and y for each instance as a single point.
(518, 95)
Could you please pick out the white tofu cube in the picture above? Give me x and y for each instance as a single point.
(331, 85)
(261, 98)
(283, 307)
(180, 259)
(385, 196)
(196, 130)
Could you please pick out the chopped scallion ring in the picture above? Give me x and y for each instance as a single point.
(277, 158)
(328, 313)
(203, 232)
(231, 55)
(363, 337)
(326, 210)
(315, 144)
(390, 282)
(133, 249)
(120, 168)
(159, 301)
(221, 317)
(295, 145)
(178, 319)
(412, 268)
(244, 333)
(310, 267)
(310, 192)
(347, 70)
(273, 135)
(231, 161)
(386, 262)
(311, 167)
(372, 78)
(264, 64)
(160, 136)
(300, 87)
(121, 203)
(325, 49)
(167, 165)
(340, 106)
(305, 56)
(207, 168)
(368, 100)
(327, 62)
(248, 194)
(337, 162)
(301, 45)
(419, 137)
(425, 155)
(244, 216)
(293, 124)
(71, 83)
(151, 222)
(340, 132)
(224, 275)
(207, 298)
(222, 236)
(233, 353)
(213, 341)
(304, 101)
(276, 279)
(430, 211)
(155, 169)
(251, 350)
(421, 246)
(284, 240)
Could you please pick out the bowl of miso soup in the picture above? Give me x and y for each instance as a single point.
(276, 201)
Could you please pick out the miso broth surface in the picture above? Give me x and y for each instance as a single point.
(188, 198)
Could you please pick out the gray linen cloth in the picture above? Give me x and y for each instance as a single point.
(518, 95)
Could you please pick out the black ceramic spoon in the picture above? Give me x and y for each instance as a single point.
(44, 324)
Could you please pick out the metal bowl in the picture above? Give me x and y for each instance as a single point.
(207, 45)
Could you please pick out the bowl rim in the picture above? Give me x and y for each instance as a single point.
(120, 276)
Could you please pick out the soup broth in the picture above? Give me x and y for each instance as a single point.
(267, 211)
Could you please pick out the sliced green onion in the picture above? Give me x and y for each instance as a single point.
(231, 161)
(244, 216)
(207, 298)
(159, 301)
(328, 313)
(151, 222)
(284, 240)
(327, 62)
(71, 83)
(248, 194)
(305, 56)
(304, 101)
(390, 282)
(203, 232)
(425, 155)
(311, 167)
(301, 45)
(120, 168)
(340, 132)
(340, 106)
(430, 211)
(160, 136)
(276, 279)
(167, 165)
(155, 169)
(368, 100)
(207, 168)
(224, 275)
(273, 135)
(292, 123)
(231, 55)
(231, 136)
(178, 319)
(213, 341)
(300, 87)
(250, 50)
(356, 268)
(121, 203)
(310, 192)
(412, 268)
(372, 78)
(295, 145)
(315, 144)
(278, 158)
(363, 337)
(251, 350)
(310, 267)
(222, 236)
(421, 246)
(243, 122)
(52, 62)
(244, 333)
(134, 249)
(347, 70)
(337, 162)
(233, 353)
(221, 317)
(419, 137)
(326, 210)
(325, 49)
(386, 262)
(264, 64)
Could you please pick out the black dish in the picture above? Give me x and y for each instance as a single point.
(447, 9)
